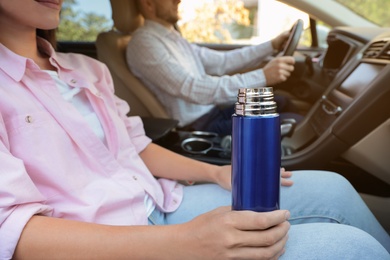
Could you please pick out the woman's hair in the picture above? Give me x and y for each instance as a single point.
(49, 35)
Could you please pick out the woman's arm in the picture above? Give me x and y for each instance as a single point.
(167, 164)
(218, 234)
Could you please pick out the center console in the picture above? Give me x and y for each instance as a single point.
(341, 97)
(203, 146)
(208, 146)
(354, 104)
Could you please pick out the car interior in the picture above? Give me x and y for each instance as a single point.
(111, 47)
(346, 128)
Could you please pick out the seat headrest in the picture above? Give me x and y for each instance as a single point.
(126, 15)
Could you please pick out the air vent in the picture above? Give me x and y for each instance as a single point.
(374, 49)
(385, 55)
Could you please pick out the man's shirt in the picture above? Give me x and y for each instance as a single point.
(190, 80)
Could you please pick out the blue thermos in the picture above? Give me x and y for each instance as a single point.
(256, 151)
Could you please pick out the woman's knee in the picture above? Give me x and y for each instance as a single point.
(321, 190)
(332, 241)
(325, 181)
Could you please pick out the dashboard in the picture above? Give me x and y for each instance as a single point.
(344, 42)
(350, 119)
(355, 105)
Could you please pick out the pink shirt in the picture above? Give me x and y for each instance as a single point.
(51, 161)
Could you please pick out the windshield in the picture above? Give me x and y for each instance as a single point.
(376, 11)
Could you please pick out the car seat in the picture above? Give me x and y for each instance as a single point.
(111, 49)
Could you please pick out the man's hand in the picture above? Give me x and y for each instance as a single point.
(226, 234)
(278, 69)
(279, 41)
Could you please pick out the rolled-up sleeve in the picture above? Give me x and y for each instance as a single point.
(19, 199)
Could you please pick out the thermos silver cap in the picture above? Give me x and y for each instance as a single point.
(255, 102)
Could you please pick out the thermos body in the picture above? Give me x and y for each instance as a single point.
(256, 161)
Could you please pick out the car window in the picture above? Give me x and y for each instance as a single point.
(238, 21)
(82, 20)
(202, 21)
(376, 11)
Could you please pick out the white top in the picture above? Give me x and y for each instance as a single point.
(190, 80)
(77, 97)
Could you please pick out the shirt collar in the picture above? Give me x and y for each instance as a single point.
(158, 29)
(15, 65)
(11, 63)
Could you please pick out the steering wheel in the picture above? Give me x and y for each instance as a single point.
(293, 39)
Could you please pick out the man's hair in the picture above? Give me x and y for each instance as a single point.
(138, 4)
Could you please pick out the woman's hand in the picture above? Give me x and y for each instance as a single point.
(226, 234)
(285, 175)
(224, 177)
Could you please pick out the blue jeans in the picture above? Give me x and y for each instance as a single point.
(329, 219)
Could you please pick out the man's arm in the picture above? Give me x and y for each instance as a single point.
(154, 64)
(233, 61)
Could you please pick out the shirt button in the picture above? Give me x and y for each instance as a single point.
(73, 81)
(28, 119)
(174, 201)
(135, 178)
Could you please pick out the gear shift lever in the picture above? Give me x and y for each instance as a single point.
(287, 127)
